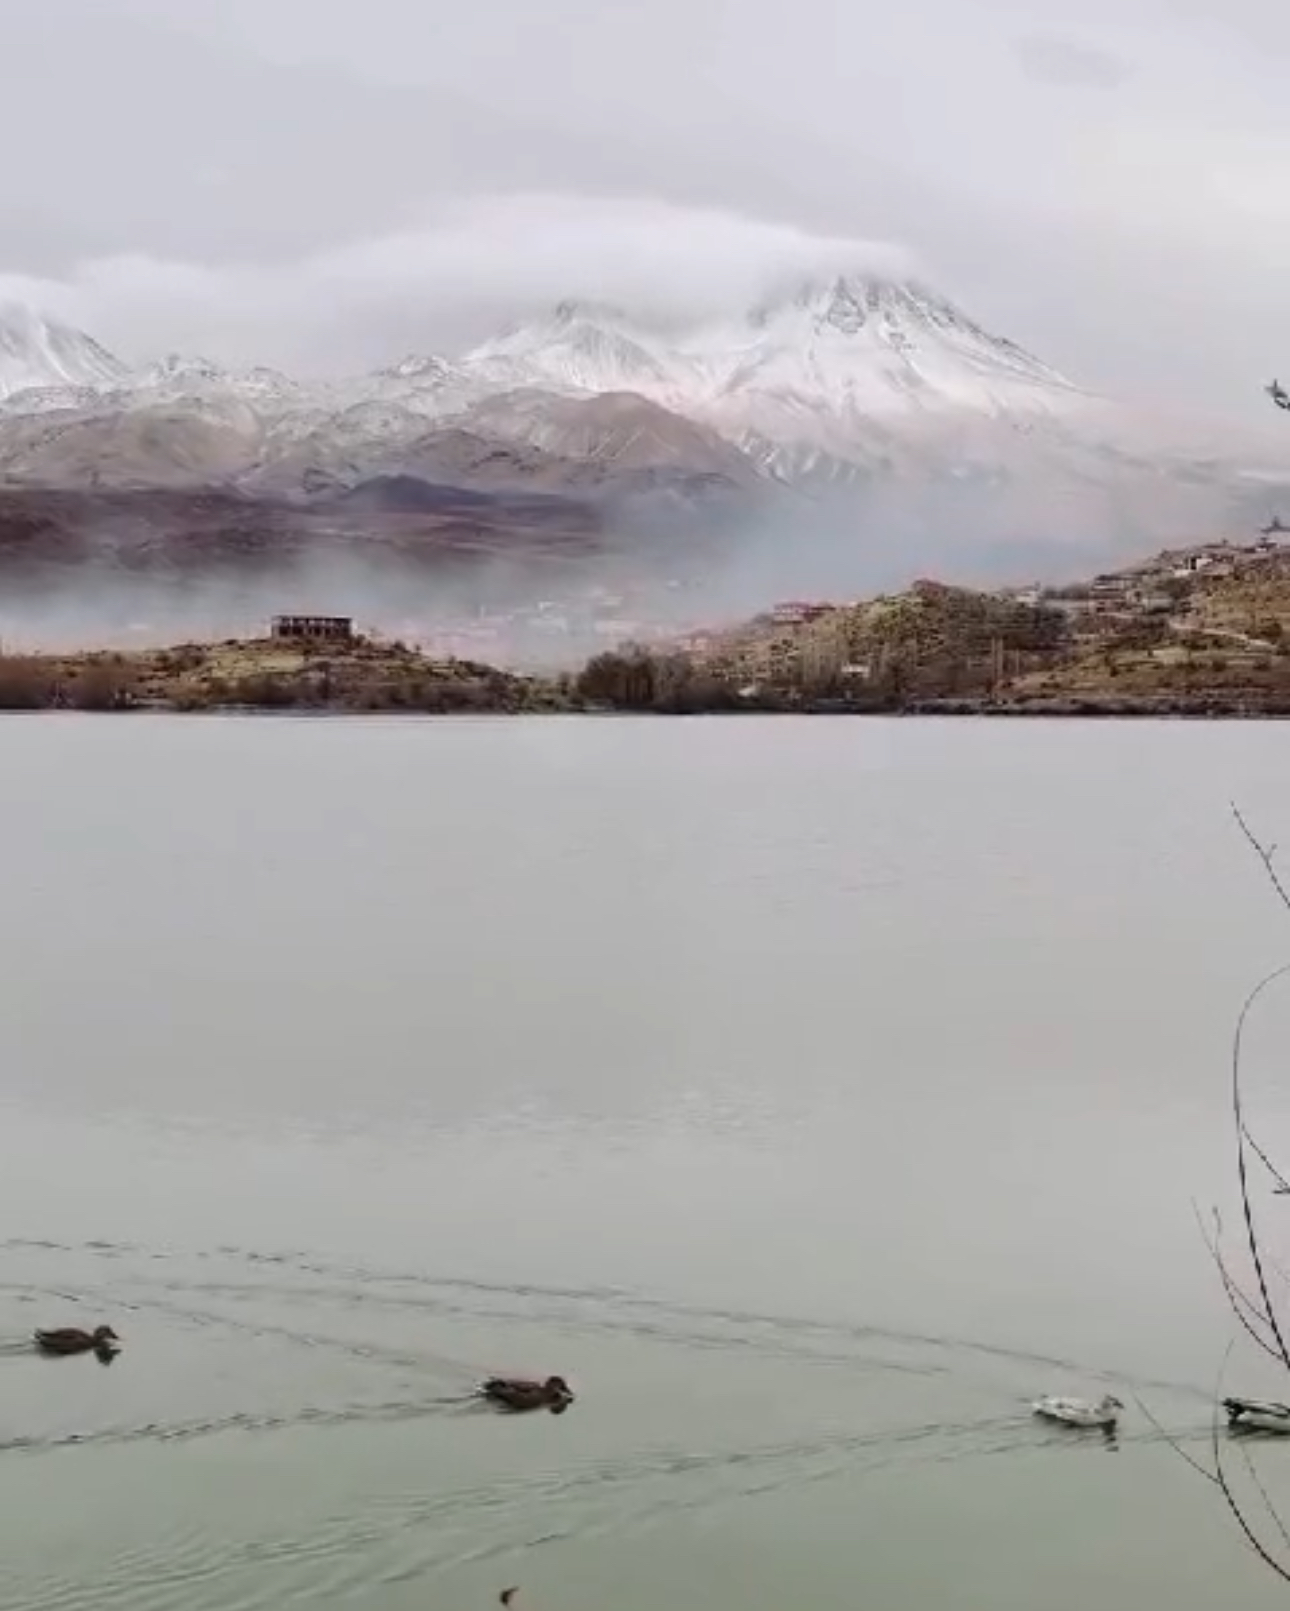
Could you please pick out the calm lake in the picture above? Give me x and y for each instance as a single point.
(811, 1093)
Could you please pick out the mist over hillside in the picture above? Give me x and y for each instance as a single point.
(834, 427)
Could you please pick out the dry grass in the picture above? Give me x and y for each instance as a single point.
(263, 675)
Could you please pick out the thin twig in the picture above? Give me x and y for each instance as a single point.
(1242, 1305)
(1242, 1169)
(1283, 1184)
(1264, 1495)
(1175, 1445)
(1250, 1313)
(1233, 1504)
(1265, 853)
(1237, 1295)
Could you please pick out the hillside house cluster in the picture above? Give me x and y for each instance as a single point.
(313, 628)
(1152, 588)
(1215, 560)
(795, 612)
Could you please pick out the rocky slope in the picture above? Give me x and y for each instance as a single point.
(52, 537)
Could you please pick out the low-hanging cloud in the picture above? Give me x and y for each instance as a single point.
(437, 287)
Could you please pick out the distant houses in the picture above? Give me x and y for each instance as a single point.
(797, 613)
(313, 628)
(1156, 586)
(1216, 559)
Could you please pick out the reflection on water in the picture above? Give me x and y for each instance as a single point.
(812, 1095)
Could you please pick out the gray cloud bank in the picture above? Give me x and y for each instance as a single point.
(472, 264)
(1109, 190)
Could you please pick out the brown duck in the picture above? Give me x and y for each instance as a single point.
(516, 1393)
(72, 1340)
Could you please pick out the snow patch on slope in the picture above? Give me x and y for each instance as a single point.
(41, 354)
(582, 347)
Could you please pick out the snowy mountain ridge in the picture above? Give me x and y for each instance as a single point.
(837, 381)
(39, 354)
(848, 345)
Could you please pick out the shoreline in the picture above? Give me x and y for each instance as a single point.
(1056, 710)
(931, 652)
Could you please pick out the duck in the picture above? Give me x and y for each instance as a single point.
(1080, 1411)
(517, 1393)
(72, 1340)
(1257, 1415)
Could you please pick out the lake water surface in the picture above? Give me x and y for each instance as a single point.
(811, 1093)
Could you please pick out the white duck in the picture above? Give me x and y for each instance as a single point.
(1080, 1411)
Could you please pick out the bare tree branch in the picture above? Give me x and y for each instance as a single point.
(1233, 1503)
(1247, 1211)
(1174, 1444)
(1271, 1509)
(1243, 1306)
(1265, 853)
(1283, 1185)
(1256, 1312)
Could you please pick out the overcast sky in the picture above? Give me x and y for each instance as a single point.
(330, 182)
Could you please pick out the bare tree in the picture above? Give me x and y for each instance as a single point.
(1251, 1299)
(1252, 1302)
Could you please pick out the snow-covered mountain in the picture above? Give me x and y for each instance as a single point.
(844, 372)
(621, 430)
(833, 363)
(828, 379)
(39, 353)
(846, 381)
(862, 346)
(180, 375)
(589, 348)
(850, 346)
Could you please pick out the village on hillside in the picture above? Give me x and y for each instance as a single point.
(1202, 630)
(1192, 628)
(544, 631)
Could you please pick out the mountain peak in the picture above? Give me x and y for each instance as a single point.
(588, 311)
(845, 308)
(880, 341)
(418, 366)
(179, 375)
(185, 367)
(847, 301)
(37, 351)
(581, 346)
